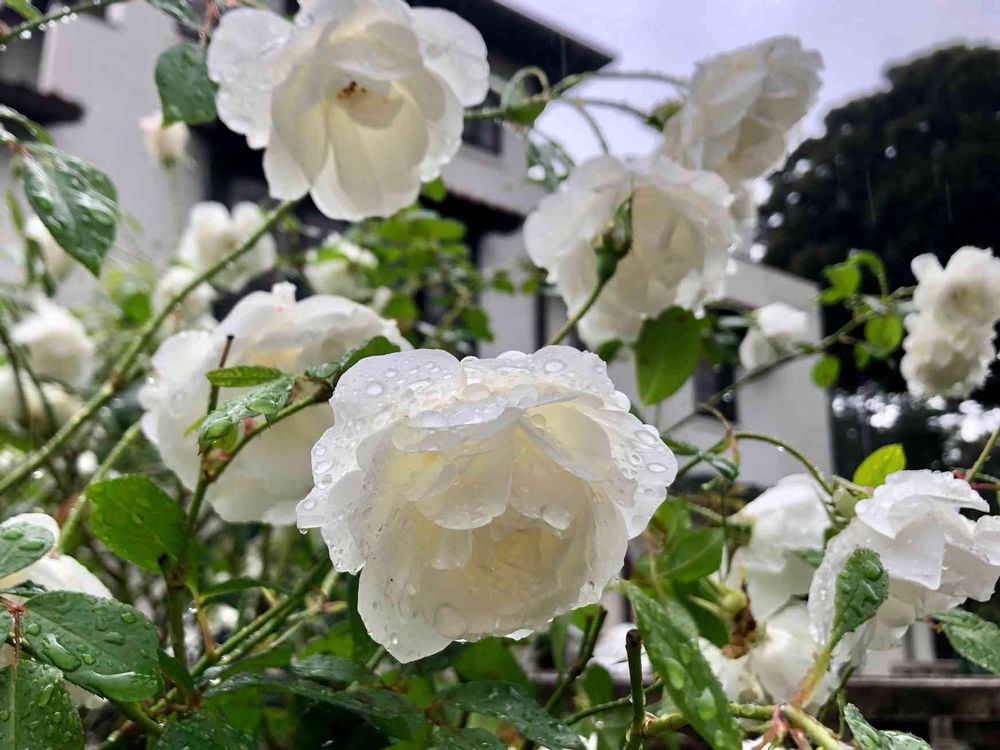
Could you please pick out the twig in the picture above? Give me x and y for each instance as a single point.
(633, 650)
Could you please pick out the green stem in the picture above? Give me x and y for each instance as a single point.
(139, 718)
(675, 721)
(792, 451)
(804, 692)
(633, 650)
(76, 515)
(122, 370)
(575, 318)
(29, 26)
(583, 658)
(984, 455)
(812, 729)
(602, 141)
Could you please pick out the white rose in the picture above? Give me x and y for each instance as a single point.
(56, 344)
(774, 332)
(681, 232)
(740, 107)
(935, 557)
(195, 310)
(514, 483)
(947, 362)
(771, 665)
(64, 405)
(339, 268)
(212, 234)
(269, 328)
(166, 144)
(58, 262)
(56, 572)
(962, 294)
(786, 519)
(356, 103)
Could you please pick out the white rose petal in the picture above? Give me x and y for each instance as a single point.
(56, 343)
(515, 483)
(682, 233)
(167, 144)
(269, 328)
(356, 103)
(213, 233)
(740, 107)
(935, 557)
(775, 330)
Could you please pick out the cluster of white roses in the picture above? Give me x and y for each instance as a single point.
(934, 556)
(949, 346)
(732, 127)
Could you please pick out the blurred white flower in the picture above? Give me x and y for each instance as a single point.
(167, 144)
(741, 106)
(785, 520)
(935, 557)
(56, 344)
(57, 261)
(338, 267)
(269, 328)
(774, 331)
(949, 346)
(213, 233)
(56, 572)
(64, 405)
(195, 310)
(356, 103)
(681, 235)
(516, 483)
(609, 652)
(87, 463)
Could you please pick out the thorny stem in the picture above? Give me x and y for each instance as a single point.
(633, 650)
(122, 372)
(27, 27)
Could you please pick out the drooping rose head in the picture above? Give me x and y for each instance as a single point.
(681, 236)
(265, 481)
(356, 102)
(481, 497)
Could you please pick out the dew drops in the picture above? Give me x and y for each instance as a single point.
(449, 622)
(647, 436)
(33, 629)
(554, 365)
(656, 468)
(704, 705)
(375, 389)
(557, 516)
(675, 673)
(12, 533)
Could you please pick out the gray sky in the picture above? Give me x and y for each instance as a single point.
(857, 39)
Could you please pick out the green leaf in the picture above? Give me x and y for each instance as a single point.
(242, 376)
(862, 586)
(179, 10)
(36, 712)
(36, 130)
(826, 371)
(869, 738)
(76, 203)
(666, 354)
(870, 260)
(447, 738)
(264, 400)
(203, 731)
(137, 520)
(21, 544)
(102, 645)
(232, 586)
(510, 703)
(687, 676)
(844, 278)
(885, 461)
(694, 554)
(332, 371)
(884, 333)
(6, 625)
(176, 672)
(490, 659)
(976, 639)
(336, 669)
(434, 190)
(25, 9)
(527, 113)
(187, 94)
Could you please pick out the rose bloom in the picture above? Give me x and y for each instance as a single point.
(774, 331)
(56, 572)
(339, 268)
(681, 235)
(272, 473)
(784, 520)
(213, 233)
(740, 106)
(166, 144)
(934, 556)
(481, 497)
(64, 405)
(355, 103)
(961, 294)
(57, 261)
(941, 361)
(195, 310)
(56, 344)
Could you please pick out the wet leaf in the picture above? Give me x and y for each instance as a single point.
(336, 669)
(875, 468)
(21, 544)
(187, 94)
(826, 371)
(179, 10)
(862, 586)
(869, 738)
(265, 400)
(666, 354)
(242, 376)
(36, 712)
(976, 639)
(447, 738)
(203, 731)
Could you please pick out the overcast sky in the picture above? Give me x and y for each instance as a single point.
(857, 39)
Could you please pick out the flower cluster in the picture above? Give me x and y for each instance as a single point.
(56, 344)
(213, 233)
(355, 103)
(270, 329)
(516, 483)
(949, 346)
(775, 329)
